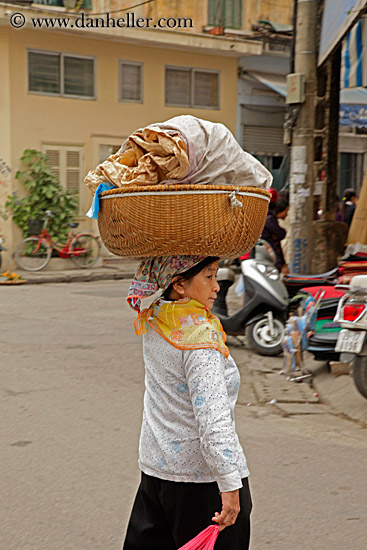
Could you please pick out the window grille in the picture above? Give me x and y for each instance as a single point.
(189, 87)
(130, 86)
(79, 77)
(61, 74)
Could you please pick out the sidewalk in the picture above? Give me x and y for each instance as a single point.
(111, 269)
(339, 392)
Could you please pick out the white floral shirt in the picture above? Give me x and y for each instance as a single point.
(188, 431)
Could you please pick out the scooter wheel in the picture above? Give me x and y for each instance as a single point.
(258, 336)
(359, 371)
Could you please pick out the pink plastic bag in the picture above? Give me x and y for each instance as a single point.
(204, 540)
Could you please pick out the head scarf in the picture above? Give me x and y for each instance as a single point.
(153, 274)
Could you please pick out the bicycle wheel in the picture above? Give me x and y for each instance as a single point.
(85, 250)
(32, 255)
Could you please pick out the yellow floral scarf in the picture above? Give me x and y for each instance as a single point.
(185, 323)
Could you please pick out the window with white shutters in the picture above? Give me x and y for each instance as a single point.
(61, 74)
(66, 162)
(189, 87)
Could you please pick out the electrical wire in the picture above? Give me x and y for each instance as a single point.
(44, 9)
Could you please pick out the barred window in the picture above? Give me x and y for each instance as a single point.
(189, 87)
(65, 75)
(131, 81)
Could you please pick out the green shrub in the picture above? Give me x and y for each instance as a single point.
(44, 193)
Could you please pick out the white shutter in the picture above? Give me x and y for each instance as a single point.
(53, 160)
(66, 162)
(72, 170)
(263, 140)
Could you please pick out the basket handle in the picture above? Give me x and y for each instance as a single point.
(234, 201)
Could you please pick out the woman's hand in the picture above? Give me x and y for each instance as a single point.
(230, 509)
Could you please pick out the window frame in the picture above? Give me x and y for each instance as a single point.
(62, 74)
(192, 71)
(140, 64)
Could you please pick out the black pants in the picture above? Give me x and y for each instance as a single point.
(167, 514)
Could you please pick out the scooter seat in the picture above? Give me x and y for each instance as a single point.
(326, 338)
(328, 274)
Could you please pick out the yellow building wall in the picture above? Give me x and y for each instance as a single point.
(38, 119)
(197, 10)
(5, 147)
(279, 11)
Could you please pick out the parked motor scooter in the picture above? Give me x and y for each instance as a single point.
(263, 315)
(1, 249)
(352, 340)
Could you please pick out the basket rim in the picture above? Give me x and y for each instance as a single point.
(177, 189)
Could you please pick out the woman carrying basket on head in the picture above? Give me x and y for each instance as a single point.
(193, 469)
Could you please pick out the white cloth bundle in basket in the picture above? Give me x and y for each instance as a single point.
(182, 150)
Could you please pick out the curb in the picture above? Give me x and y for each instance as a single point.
(78, 277)
(339, 393)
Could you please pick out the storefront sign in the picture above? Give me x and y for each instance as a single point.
(353, 115)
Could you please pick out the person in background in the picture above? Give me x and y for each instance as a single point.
(349, 205)
(273, 233)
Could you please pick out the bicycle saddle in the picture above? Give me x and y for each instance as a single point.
(73, 224)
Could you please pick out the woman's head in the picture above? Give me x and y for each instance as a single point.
(350, 195)
(281, 208)
(198, 283)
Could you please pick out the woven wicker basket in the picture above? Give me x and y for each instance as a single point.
(161, 220)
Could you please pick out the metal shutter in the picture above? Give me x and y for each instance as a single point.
(263, 140)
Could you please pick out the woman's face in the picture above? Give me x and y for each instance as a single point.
(203, 287)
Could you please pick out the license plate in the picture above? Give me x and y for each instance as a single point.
(350, 341)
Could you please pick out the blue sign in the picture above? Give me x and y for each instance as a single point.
(353, 115)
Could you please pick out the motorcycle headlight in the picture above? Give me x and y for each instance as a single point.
(269, 270)
(274, 274)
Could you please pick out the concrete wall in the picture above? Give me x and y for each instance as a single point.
(280, 11)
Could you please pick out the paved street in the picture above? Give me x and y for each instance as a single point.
(71, 395)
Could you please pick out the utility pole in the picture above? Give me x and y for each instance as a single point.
(302, 176)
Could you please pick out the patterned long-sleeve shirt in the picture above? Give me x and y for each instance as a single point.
(188, 431)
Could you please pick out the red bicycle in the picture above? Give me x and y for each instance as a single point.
(34, 253)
